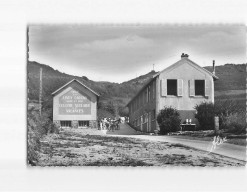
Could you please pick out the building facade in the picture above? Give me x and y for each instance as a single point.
(182, 85)
(75, 106)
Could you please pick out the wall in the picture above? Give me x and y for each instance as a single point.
(185, 71)
(89, 114)
(139, 106)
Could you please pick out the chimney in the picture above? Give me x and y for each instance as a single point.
(213, 67)
(184, 55)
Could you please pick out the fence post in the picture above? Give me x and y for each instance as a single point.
(216, 124)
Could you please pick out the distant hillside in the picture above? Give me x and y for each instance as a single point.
(231, 77)
(114, 96)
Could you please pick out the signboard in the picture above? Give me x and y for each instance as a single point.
(74, 103)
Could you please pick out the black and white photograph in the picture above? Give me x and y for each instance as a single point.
(109, 96)
(136, 95)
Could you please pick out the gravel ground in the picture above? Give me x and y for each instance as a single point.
(90, 147)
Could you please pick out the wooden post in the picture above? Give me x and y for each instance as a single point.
(216, 124)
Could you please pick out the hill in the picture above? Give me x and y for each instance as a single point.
(114, 96)
(231, 77)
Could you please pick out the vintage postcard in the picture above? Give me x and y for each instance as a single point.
(136, 95)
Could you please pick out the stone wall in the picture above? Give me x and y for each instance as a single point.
(74, 124)
(93, 124)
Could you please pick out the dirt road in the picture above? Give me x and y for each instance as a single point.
(226, 149)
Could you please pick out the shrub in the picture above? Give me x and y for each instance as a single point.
(231, 115)
(229, 110)
(168, 120)
(37, 127)
(235, 123)
(33, 138)
(205, 115)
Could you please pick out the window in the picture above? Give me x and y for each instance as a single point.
(172, 87)
(153, 114)
(149, 93)
(153, 89)
(143, 97)
(83, 123)
(65, 123)
(199, 87)
(139, 121)
(145, 118)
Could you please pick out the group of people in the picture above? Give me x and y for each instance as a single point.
(109, 124)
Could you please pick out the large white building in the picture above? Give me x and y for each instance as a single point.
(182, 85)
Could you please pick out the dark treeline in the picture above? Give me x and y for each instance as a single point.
(113, 96)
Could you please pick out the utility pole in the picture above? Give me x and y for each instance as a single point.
(27, 43)
(27, 65)
(40, 91)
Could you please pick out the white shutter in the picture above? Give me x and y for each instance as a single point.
(180, 87)
(163, 87)
(192, 87)
(207, 87)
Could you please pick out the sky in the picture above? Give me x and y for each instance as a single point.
(118, 53)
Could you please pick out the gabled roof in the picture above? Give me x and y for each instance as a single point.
(190, 62)
(77, 82)
(171, 67)
(147, 83)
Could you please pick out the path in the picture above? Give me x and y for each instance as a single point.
(226, 149)
(124, 130)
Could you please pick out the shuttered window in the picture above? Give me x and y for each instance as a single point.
(192, 87)
(172, 87)
(148, 93)
(180, 87)
(199, 87)
(153, 115)
(153, 90)
(207, 87)
(163, 87)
